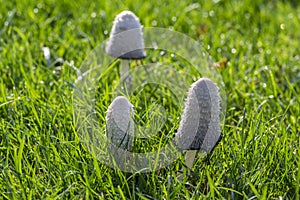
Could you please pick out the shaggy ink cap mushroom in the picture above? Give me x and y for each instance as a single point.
(126, 37)
(119, 123)
(199, 127)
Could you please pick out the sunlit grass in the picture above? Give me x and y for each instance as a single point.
(41, 154)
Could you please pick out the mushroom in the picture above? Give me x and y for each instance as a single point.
(199, 128)
(119, 123)
(126, 42)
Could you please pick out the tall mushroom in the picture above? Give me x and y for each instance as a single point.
(126, 42)
(199, 128)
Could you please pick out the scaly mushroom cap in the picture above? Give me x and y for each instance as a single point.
(199, 127)
(119, 123)
(126, 37)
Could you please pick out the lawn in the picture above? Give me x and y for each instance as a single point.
(254, 46)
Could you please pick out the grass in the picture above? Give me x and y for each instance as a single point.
(41, 154)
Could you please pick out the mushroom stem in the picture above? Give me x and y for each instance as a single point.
(189, 159)
(124, 69)
(125, 75)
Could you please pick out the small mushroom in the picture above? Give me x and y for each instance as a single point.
(126, 42)
(119, 123)
(199, 128)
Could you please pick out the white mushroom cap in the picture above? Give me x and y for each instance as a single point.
(119, 123)
(126, 37)
(199, 127)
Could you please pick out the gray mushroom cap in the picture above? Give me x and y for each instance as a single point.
(199, 127)
(126, 37)
(119, 123)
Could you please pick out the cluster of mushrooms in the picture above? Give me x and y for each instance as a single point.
(199, 129)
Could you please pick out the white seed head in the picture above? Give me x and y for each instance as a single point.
(199, 127)
(119, 123)
(47, 55)
(126, 37)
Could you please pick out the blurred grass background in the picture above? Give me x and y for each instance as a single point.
(255, 45)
